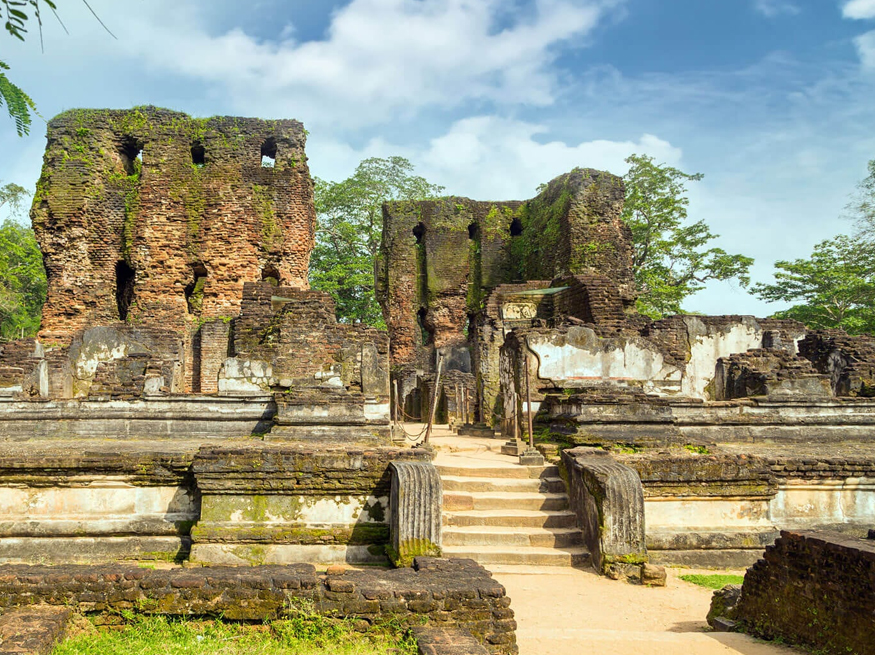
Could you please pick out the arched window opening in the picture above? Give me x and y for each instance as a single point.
(194, 290)
(419, 232)
(516, 227)
(268, 153)
(124, 288)
(198, 155)
(473, 231)
(270, 274)
(131, 153)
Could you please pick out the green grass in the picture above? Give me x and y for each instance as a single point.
(297, 635)
(714, 581)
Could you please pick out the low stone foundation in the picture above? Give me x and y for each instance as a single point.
(446, 593)
(813, 589)
(227, 502)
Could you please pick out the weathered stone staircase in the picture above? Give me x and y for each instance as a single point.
(497, 512)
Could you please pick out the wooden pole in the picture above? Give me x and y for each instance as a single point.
(436, 394)
(395, 404)
(529, 405)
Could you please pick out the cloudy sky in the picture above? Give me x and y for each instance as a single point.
(773, 100)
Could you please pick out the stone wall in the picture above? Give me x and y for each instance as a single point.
(240, 501)
(768, 372)
(813, 589)
(272, 504)
(297, 333)
(451, 593)
(849, 361)
(150, 216)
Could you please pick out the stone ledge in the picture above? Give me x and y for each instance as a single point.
(443, 641)
(32, 630)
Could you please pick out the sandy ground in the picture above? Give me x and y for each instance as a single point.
(564, 611)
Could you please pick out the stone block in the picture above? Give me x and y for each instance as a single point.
(608, 499)
(415, 503)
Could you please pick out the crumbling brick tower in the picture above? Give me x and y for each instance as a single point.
(150, 217)
(444, 264)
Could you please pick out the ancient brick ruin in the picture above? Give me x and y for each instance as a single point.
(150, 217)
(190, 399)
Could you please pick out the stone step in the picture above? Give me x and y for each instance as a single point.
(500, 500)
(459, 470)
(486, 555)
(515, 537)
(548, 485)
(517, 518)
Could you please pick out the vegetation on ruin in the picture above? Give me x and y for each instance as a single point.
(671, 257)
(302, 632)
(835, 286)
(348, 230)
(713, 580)
(22, 277)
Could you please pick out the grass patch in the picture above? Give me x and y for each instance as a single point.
(713, 581)
(303, 633)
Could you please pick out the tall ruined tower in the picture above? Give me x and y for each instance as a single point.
(150, 217)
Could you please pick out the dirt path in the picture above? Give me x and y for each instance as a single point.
(575, 612)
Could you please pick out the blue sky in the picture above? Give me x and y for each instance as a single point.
(773, 100)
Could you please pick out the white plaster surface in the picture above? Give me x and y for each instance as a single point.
(803, 502)
(315, 512)
(583, 357)
(712, 513)
(708, 345)
(93, 506)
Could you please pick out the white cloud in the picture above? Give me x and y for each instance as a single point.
(494, 158)
(772, 8)
(379, 59)
(859, 9)
(866, 49)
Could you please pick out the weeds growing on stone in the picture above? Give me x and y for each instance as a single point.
(713, 581)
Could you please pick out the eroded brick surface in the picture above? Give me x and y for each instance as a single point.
(32, 630)
(150, 216)
(458, 593)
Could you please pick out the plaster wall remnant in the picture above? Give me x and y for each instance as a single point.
(151, 217)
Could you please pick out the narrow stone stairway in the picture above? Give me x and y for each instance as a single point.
(497, 512)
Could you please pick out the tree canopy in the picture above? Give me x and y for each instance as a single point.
(671, 257)
(348, 231)
(834, 288)
(862, 207)
(22, 277)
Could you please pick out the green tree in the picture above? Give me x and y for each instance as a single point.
(671, 258)
(348, 231)
(18, 103)
(15, 15)
(834, 288)
(22, 277)
(862, 207)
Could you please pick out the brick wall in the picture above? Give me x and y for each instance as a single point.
(299, 335)
(448, 592)
(150, 216)
(814, 589)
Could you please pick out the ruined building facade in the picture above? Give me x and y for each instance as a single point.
(176, 251)
(447, 266)
(150, 217)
